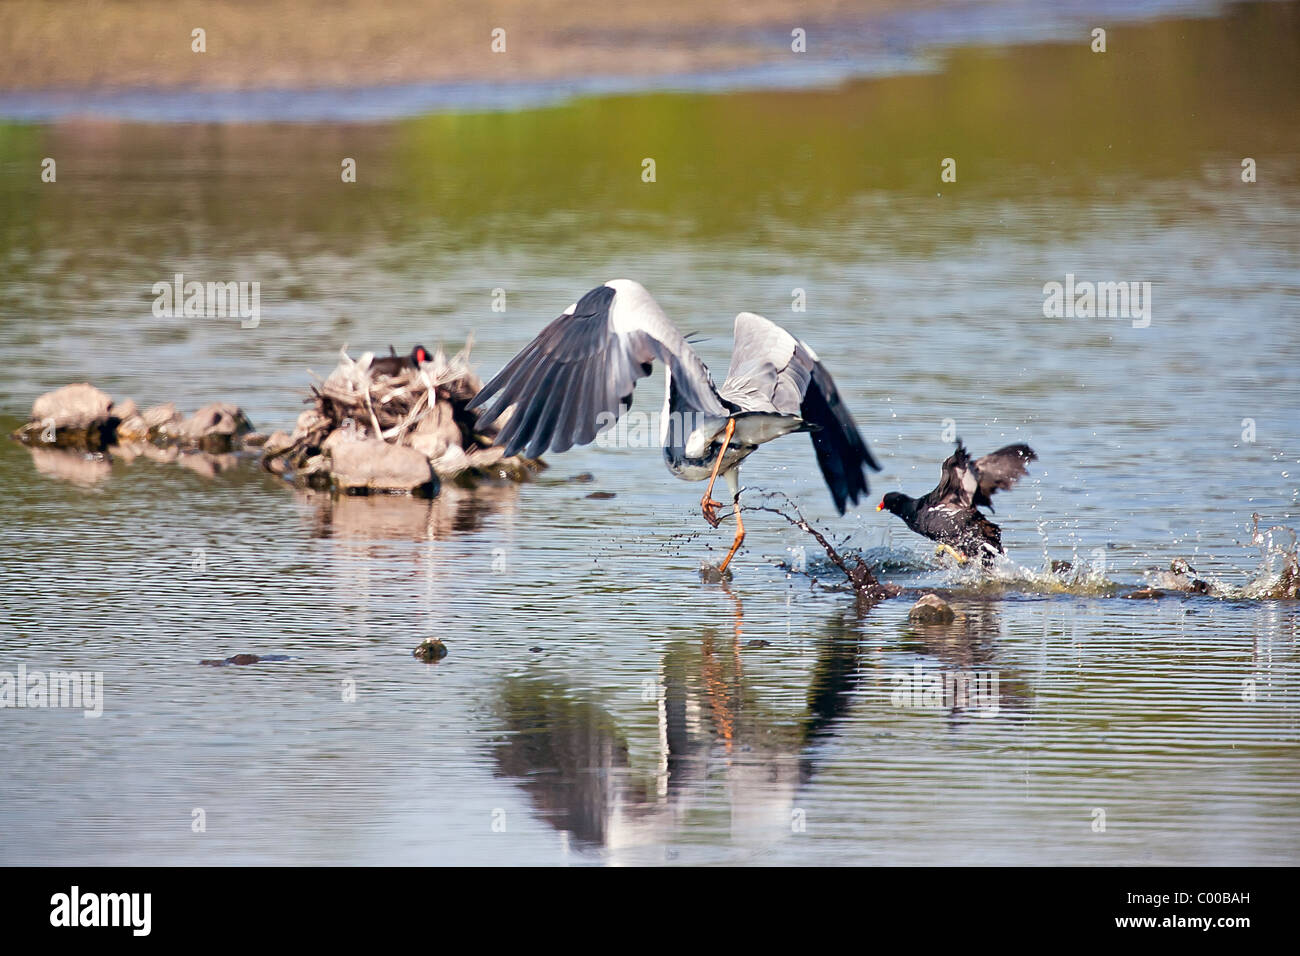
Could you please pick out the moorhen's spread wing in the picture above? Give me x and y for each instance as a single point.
(958, 482)
(999, 471)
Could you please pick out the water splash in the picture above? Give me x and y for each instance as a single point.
(1054, 577)
(1278, 577)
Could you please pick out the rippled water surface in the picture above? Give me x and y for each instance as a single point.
(600, 703)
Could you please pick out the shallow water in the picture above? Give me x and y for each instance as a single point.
(645, 727)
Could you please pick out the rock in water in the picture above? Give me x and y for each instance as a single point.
(451, 462)
(373, 465)
(432, 649)
(1144, 594)
(245, 659)
(83, 417)
(278, 443)
(73, 406)
(711, 574)
(214, 427)
(132, 428)
(932, 609)
(238, 659)
(437, 432)
(162, 422)
(74, 416)
(422, 409)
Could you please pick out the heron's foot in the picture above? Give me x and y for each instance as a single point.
(709, 507)
(956, 555)
(712, 574)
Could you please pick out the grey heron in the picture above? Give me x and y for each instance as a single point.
(576, 378)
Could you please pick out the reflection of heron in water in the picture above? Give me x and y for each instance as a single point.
(574, 761)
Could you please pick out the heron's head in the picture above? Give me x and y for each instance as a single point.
(894, 502)
(419, 355)
(632, 305)
(629, 287)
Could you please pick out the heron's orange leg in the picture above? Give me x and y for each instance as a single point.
(740, 536)
(707, 504)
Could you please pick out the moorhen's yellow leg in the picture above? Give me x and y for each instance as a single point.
(707, 504)
(942, 548)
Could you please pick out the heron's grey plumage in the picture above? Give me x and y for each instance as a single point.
(579, 373)
(583, 367)
(773, 371)
(769, 371)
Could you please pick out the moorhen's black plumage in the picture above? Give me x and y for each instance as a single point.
(393, 364)
(950, 514)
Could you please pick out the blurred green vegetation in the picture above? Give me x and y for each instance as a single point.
(1169, 100)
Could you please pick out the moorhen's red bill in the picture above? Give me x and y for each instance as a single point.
(395, 364)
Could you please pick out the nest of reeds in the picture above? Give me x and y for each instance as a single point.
(407, 409)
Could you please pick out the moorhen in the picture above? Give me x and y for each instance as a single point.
(950, 514)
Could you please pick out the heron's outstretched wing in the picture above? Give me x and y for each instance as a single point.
(1000, 470)
(841, 452)
(764, 375)
(772, 371)
(577, 376)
